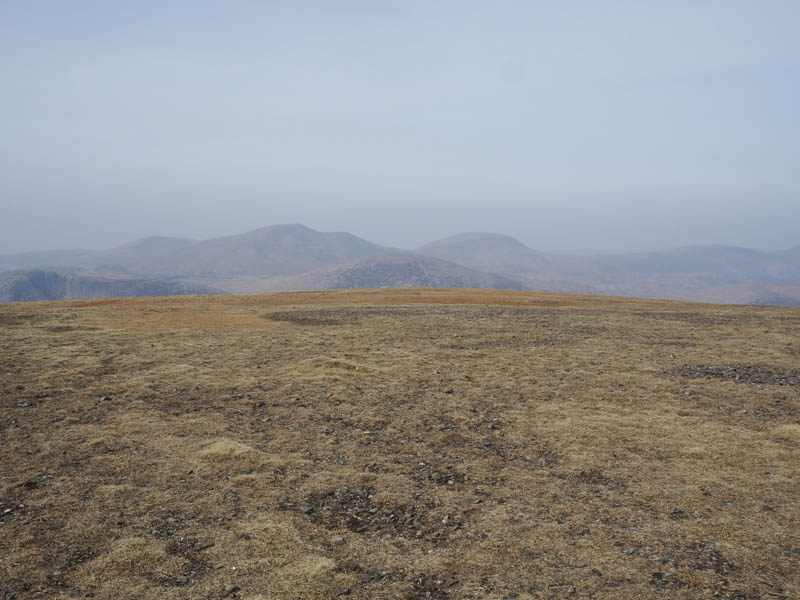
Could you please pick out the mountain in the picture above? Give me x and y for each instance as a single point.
(727, 264)
(143, 250)
(395, 269)
(490, 252)
(283, 257)
(36, 284)
(269, 251)
(706, 273)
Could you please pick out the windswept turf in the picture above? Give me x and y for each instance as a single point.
(399, 444)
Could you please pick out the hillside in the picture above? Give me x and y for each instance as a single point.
(491, 252)
(37, 285)
(295, 257)
(269, 251)
(396, 269)
(145, 250)
(704, 273)
(448, 444)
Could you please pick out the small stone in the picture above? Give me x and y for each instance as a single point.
(306, 509)
(106, 398)
(342, 592)
(338, 540)
(231, 588)
(182, 579)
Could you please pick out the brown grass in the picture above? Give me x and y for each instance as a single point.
(399, 444)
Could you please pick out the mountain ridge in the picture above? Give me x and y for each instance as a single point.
(294, 256)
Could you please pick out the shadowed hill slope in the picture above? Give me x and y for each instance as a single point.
(396, 269)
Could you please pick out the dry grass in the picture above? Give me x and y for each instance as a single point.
(399, 444)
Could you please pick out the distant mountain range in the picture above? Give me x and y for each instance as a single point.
(295, 257)
(39, 284)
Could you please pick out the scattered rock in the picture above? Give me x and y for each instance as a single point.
(760, 374)
(338, 540)
(350, 565)
(357, 510)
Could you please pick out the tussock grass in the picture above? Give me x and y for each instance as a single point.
(399, 444)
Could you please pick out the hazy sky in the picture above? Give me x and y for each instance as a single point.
(577, 127)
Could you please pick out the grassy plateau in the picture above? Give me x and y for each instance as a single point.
(437, 443)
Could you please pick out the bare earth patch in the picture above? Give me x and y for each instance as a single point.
(409, 444)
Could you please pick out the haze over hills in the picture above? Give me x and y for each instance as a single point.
(268, 251)
(296, 257)
(489, 252)
(37, 284)
(707, 273)
(119, 258)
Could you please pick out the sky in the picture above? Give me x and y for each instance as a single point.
(576, 127)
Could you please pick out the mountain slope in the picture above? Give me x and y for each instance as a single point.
(727, 264)
(489, 252)
(395, 269)
(34, 285)
(710, 272)
(269, 251)
(138, 251)
(297, 257)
